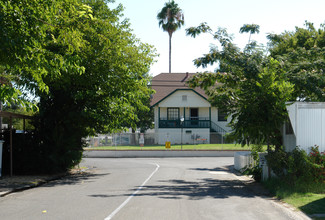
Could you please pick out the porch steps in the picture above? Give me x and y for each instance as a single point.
(216, 133)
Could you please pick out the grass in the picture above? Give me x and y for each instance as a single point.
(308, 197)
(175, 147)
(309, 203)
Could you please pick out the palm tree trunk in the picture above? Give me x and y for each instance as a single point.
(170, 53)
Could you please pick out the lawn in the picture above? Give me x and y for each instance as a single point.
(175, 147)
(309, 198)
(309, 203)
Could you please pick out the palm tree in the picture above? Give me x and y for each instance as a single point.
(170, 19)
(251, 29)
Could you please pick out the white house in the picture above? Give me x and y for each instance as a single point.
(305, 127)
(182, 114)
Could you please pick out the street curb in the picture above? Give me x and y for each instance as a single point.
(288, 209)
(156, 153)
(30, 186)
(318, 216)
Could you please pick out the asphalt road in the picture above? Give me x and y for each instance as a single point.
(142, 188)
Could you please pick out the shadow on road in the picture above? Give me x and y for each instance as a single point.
(76, 179)
(229, 168)
(214, 187)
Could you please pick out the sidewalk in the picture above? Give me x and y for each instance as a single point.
(17, 183)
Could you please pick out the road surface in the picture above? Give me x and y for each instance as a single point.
(145, 188)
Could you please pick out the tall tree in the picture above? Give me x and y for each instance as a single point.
(302, 52)
(87, 68)
(251, 29)
(250, 87)
(170, 19)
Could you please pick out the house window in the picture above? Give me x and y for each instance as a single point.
(172, 113)
(184, 97)
(222, 115)
(288, 127)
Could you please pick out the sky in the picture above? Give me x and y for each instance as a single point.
(274, 16)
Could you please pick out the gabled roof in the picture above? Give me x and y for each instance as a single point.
(166, 83)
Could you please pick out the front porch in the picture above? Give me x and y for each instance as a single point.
(197, 122)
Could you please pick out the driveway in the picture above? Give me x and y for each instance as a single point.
(144, 188)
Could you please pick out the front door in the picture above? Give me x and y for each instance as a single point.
(194, 117)
(194, 114)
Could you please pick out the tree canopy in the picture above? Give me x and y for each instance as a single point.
(250, 86)
(85, 65)
(302, 53)
(253, 85)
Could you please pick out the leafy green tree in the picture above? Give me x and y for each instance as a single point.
(145, 117)
(170, 19)
(302, 53)
(143, 121)
(87, 68)
(250, 87)
(251, 29)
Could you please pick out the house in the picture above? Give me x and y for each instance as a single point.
(183, 115)
(305, 127)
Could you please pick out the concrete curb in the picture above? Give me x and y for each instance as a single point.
(318, 216)
(286, 208)
(155, 153)
(30, 186)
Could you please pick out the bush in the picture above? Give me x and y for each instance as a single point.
(318, 163)
(277, 161)
(255, 170)
(298, 166)
(26, 155)
(33, 154)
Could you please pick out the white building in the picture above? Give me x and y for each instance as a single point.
(306, 126)
(184, 115)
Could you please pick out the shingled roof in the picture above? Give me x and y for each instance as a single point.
(166, 83)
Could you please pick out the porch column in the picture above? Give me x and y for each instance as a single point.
(184, 113)
(210, 116)
(158, 117)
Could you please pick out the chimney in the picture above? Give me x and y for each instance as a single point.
(186, 76)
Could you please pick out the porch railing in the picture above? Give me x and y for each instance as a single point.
(184, 124)
(217, 128)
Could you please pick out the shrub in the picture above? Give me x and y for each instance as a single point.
(26, 155)
(255, 170)
(277, 161)
(318, 163)
(298, 166)
(32, 155)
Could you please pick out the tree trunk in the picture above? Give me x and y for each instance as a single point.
(170, 52)
(268, 166)
(133, 137)
(0, 117)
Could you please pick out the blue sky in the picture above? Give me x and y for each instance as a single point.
(273, 17)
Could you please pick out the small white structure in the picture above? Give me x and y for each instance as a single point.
(306, 126)
(242, 160)
(183, 115)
